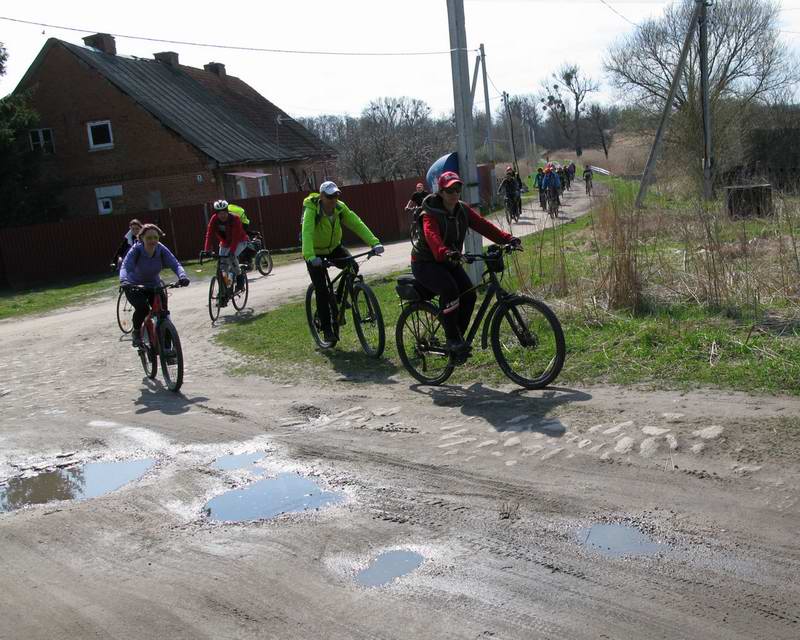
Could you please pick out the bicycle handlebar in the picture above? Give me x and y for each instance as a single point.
(504, 248)
(328, 263)
(143, 287)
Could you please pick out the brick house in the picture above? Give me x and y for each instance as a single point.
(119, 134)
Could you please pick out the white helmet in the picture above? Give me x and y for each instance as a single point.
(220, 205)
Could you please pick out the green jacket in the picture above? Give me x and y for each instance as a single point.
(322, 234)
(236, 210)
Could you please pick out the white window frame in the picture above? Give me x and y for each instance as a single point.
(99, 147)
(105, 206)
(263, 186)
(241, 187)
(40, 138)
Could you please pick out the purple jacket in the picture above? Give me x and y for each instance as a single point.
(139, 268)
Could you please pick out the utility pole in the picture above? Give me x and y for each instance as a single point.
(489, 134)
(708, 187)
(510, 126)
(463, 113)
(662, 125)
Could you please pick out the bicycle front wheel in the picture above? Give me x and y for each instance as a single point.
(147, 352)
(214, 299)
(528, 342)
(239, 298)
(314, 324)
(368, 319)
(171, 354)
(421, 343)
(264, 262)
(124, 313)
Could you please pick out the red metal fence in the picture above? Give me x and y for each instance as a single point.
(52, 252)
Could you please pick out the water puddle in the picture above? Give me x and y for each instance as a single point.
(287, 493)
(237, 461)
(388, 566)
(80, 482)
(618, 540)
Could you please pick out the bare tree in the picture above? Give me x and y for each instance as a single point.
(599, 117)
(565, 101)
(748, 60)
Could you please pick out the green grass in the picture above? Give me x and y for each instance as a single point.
(51, 297)
(676, 346)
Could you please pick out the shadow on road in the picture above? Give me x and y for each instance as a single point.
(156, 397)
(357, 366)
(514, 411)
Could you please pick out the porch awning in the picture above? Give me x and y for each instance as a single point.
(249, 174)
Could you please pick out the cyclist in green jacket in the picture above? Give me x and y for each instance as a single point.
(324, 215)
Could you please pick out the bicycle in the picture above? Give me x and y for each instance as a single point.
(262, 259)
(348, 290)
(513, 207)
(160, 340)
(223, 285)
(124, 313)
(526, 336)
(588, 182)
(553, 202)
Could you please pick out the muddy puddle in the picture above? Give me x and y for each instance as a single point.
(79, 482)
(237, 461)
(619, 540)
(286, 493)
(387, 567)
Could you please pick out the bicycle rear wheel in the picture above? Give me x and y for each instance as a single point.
(314, 324)
(147, 352)
(264, 262)
(214, 298)
(171, 354)
(124, 313)
(368, 319)
(239, 298)
(528, 342)
(421, 343)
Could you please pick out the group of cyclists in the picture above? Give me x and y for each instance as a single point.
(436, 261)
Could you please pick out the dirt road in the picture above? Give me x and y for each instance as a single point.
(503, 494)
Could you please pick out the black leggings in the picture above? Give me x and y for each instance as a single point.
(340, 257)
(141, 300)
(455, 290)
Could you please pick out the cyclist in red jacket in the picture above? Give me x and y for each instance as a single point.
(232, 237)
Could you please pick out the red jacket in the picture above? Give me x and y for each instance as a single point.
(229, 233)
(477, 222)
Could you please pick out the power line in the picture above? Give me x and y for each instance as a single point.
(625, 18)
(232, 47)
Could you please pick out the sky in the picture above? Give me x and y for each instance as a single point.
(525, 42)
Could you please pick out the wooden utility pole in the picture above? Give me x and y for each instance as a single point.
(463, 112)
(708, 186)
(662, 125)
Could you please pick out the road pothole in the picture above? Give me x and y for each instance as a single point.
(237, 461)
(79, 482)
(619, 540)
(389, 566)
(271, 497)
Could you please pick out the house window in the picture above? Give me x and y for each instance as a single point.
(100, 136)
(105, 205)
(241, 187)
(105, 198)
(42, 140)
(263, 186)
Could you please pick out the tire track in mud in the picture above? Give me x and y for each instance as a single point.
(670, 587)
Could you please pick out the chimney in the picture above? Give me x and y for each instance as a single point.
(167, 57)
(217, 68)
(103, 42)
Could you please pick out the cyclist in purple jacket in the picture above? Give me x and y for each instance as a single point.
(142, 266)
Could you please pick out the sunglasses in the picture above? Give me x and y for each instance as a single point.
(456, 188)
(332, 196)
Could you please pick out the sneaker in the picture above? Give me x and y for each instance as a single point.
(136, 341)
(459, 351)
(329, 336)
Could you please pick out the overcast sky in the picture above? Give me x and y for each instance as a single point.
(525, 40)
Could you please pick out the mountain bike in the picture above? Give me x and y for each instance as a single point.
(124, 313)
(513, 207)
(159, 339)
(348, 291)
(526, 337)
(262, 259)
(553, 202)
(588, 181)
(222, 288)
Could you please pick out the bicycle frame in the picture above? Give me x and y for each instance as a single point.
(340, 293)
(158, 311)
(495, 294)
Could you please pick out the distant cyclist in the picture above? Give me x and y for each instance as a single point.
(552, 184)
(511, 186)
(538, 183)
(142, 266)
(588, 176)
(417, 197)
(128, 240)
(240, 213)
(435, 262)
(230, 233)
(324, 217)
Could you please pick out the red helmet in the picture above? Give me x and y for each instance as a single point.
(448, 179)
